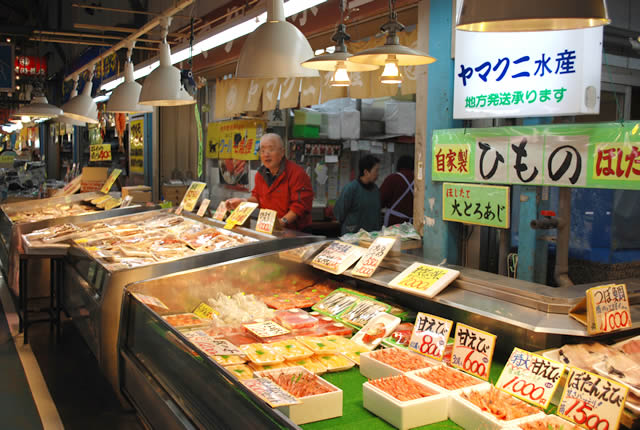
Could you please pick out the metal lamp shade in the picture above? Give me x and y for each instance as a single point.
(163, 86)
(40, 108)
(404, 55)
(125, 97)
(328, 63)
(527, 15)
(82, 107)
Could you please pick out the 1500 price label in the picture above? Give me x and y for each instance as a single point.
(592, 401)
(430, 335)
(530, 377)
(473, 350)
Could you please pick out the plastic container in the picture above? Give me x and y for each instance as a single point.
(335, 362)
(311, 364)
(261, 354)
(320, 345)
(551, 422)
(291, 349)
(185, 320)
(379, 327)
(240, 371)
(295, 319)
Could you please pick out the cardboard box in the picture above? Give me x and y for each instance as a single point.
(93, 178)
(307, 117)
(174, 193)
(400, 118)
(140, 193)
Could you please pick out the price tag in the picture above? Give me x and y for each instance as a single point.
(101, 152)
(266, 220)
(592, 401)
(337, 257)
(609, 308)
(530, 377)
(71, 188)
(424, 279)
(192, 195)
(266, 329)
(242, 212)
(270, 392)
(373, 256)
(430, 335)
(203, 207)
(221, 211)
(126, 201)
(229, 225)
(205, 311)
(179, 209)
(473, 350)
(110, 180)
(210, 345)
(150, 300)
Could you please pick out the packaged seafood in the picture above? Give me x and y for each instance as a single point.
(295, 319)
(363, 312)
(335, 362)
(261, 354)
(404, 402)
(582, 355)
(311, 364)
(446, 378)
(291, 349)
(630, 346)
(319, 345)
(336, 302)
(378, 328)
(335, 329)
(258, 368)
(185, 320)
(240, 371)
(621, 367)
(550, 422)
(391, 362)
(227, 360)
(400, 336)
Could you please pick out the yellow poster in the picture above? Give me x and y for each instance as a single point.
(136, 146)
(212, 142)
(101, 152)
(237, 139)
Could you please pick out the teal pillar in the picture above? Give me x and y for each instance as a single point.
(527, 237)
(440, 240)
(75, 149)
(148, 149)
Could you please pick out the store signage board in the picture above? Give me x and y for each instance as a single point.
(430, 335)
(7, 73)
(203, 207)
(337, 257)
(473, 350)
(192, 195)
(266, 220)
(210, 345)
(241, 214)
(486, 205)
(592, 401)
(100, 152)
(530, 377)
(424, 279)
(7, 158)
(205, 311)
(266, 329)
(526, 74)
(221, 211)
(270, 392)
(373, 256)
(110, 181)
(604, 309)
(136, 145)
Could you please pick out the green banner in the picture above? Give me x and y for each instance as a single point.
(605, 155)
(486, 205)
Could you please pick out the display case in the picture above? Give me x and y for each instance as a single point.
(97, 268)
(170, 378)
(24, 217)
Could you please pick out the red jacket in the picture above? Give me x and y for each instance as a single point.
(290, 191)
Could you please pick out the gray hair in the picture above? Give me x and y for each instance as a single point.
(275, 137)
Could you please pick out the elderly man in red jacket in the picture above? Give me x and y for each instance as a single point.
(281, 185)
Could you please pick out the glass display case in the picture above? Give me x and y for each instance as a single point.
(170, 377)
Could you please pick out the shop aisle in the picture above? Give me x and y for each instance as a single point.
(48, 386)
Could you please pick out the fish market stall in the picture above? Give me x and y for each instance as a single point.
(270, 342)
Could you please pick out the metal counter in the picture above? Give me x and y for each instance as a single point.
(10, 232)
(93, 294)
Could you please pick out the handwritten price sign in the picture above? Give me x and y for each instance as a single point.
(424, 279)
(337, 257)
(266, 220)
(270, 392)
(203, 207)
(473, 350)
(609, 308)
(240, 215)
(192, 195)
(221, 211)
(266, 329)
(430, 335)
(205, 311)
(373, 257)
(110, 180)
(100, 152)
(211, 346)
(592, 401)
(530, 377)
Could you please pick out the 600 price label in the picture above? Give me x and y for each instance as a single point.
(474, 363)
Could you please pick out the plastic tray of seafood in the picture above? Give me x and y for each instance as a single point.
(404, 402)
(391, 362)
(549, 422)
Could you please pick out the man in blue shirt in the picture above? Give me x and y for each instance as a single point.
(359, 203)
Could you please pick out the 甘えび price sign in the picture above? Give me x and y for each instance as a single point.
(430, 335)
(192, 195)
(110, 180)
(530, 377)
(266, 220)
(608, 306)
(476, 204)
(592, 401)
(473, 350)
(101, 152)
(424, 279)
(373, 256)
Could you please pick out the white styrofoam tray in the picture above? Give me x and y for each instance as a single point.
(405, 415)
(553, 419)
(469, 416)
(313, 408)
(374, 369)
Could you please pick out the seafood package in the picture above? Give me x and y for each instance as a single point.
(304, 298)
(621, 367)
(311, 364)
(261, 354)
(335, 362)
(378, 328)
(391, 362)
(291, 349)
(350, 308)
(400, 336)
(185, 320)
(404, 402)
(320, 345)
(295, 319)
(241, 371)
(240, 308)
(48, 212)
(550, 422)
(447, 378)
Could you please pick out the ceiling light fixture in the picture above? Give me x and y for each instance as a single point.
(163, 87)
(336, 62)
(39, 106)
(527, 15)
(125, 97)
(82, 107)
(392, 54)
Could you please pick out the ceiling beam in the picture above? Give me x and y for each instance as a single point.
(117, 29)
(90, 35)
(82, 42)
(111, 9)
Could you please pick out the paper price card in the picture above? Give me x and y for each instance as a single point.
(430, 335)
(205, 311)
(203, 207)
(192, 195)
(126, 201)
(110, 180)
(337, 257)
(270, 392)
(210, 345)
(149, 300)
(530, 377)
(592, 401)
(179, 209)
(266, 221)
(609, 308)
(473, 350)
(101, 152)
(242, 212)
(221, 211)
(373, 256)
(423, 279)
(266, 329)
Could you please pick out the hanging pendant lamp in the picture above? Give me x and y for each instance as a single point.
(275, 49)
(39, 107)
(527, 15)
(82, 107)
(392, 54)
(163, 86)
(126, 95)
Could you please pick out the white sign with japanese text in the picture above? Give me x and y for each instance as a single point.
(430, 335)
(541, 73)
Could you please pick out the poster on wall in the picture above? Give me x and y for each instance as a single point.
(136, 145)
(7, 75)
(237, 139)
